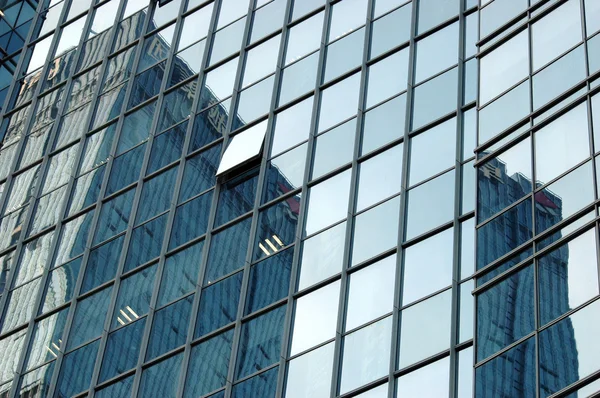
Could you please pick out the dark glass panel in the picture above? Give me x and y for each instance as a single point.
(76, 371)
(228, 250)
(122, 350)
(89, 317)
(114, 216)
(191, 220)
(262, 385)
(169, 328)
(134, 297)
(156, 195)
(167, 147)
(146, 242)
(126, 169)
(180, 273)
(269, 281)
(218, 304)
(237, 196)
(102, 264)
(160, 380)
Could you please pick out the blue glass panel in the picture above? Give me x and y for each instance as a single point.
(73, 237)
(191, 220)
(269, 281)
(167, 147)
(505, 313)
(218, 304)
(146, 241)
(228, 250)
(569, 350)
(136, 127)
(504, 233)
(156, 195)
(120, 389)
(37, 380)
(512, 374)
(161, 379)
(209, 125)
(122, 350)
(169, 329)
(208, 367)
(61, 284)
(200, 172)
(260, 342)
(147, 84)
(262, 385)
(102, 264)
(126, 169)
(89, 318)
(114, 216)
(177, 105)
(76, 371)
(237, 197)
(134, 297)
(180, 273)
(509, 263)
(277, 227)
(87, 189)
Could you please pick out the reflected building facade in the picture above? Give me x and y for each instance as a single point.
(294, 198)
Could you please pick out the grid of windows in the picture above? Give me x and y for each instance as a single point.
(277, 198)
(129, 268)
(537, 239)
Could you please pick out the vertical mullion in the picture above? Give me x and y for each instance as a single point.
(288, 322)
(96, 216)
(344, 283)
(458, 186)
(397, 316)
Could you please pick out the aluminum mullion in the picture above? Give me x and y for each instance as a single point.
(289, 316)
(64, 206)
(96, 216)
(399, 277)
(457, 227)
(353, 193)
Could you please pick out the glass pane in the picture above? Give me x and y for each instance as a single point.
(555, 33)
(310, 374)
(366, 355)
(432, 151)
(261, 61)
(89, 317)
(567, 276)
(428, 266)
(503, 67)
(191, 220)
(429, 205)
(346, 16)
(322, 256)
(269, 281)
(134, 297)
(208, 366)
(61, 285)
(120, 389)
(260, 342)
(114, 216)
(218, 304)
(243, 147)
(334, 149)
(161, 380)
(315, 318)
(298, 78)
(436, 52)
(387, 167)
(390, 30)
(228, 250)
(339, 102)
(199, 174)
(429, 381)
(562, 144)
(285, 173)
(376, 230)
(169, 328)
(304, 38)
(505, 313)
(465, 373)
(102, 264)
(146, 242)
(371, 292)
(292, 126)
(236, 196)
(384, 124)
(465, 331)
(499, 376)
(435, 98)
(76, 371)
(46, 340)
(262, 385)
(432, 13)
(387, 77)
(180, 273)
(426, 322)
(276, 227)
(344, 54)
(573, 333)
(122, 350)
(328, 202)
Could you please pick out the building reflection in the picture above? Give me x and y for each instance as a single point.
(509, 313)
(278, 224)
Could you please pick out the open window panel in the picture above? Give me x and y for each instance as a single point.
(243, 152)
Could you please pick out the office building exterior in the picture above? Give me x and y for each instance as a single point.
(299, 198)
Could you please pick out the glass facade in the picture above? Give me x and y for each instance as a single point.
(299, 198)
